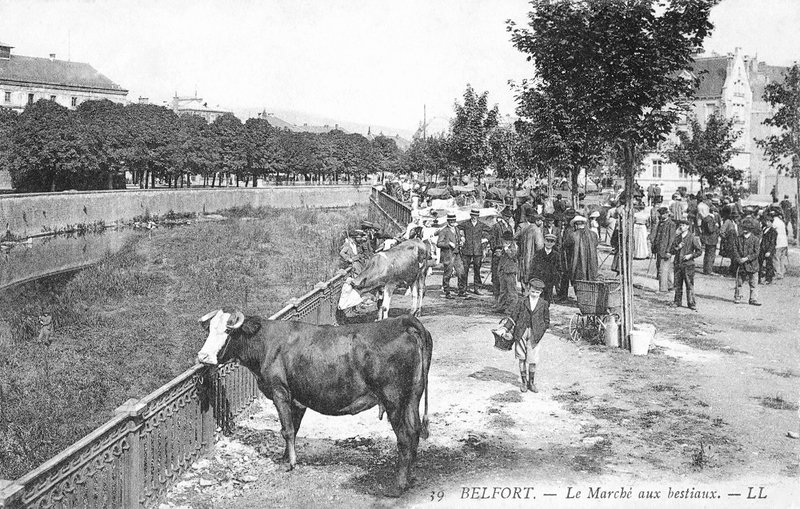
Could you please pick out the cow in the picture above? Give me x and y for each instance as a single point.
(333, 370)
(407, 263)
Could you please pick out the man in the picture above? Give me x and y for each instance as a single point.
(766, 269)
(729, 233)
(676, 208)
(709, 237)
(499, 228)
(349, 254)
(559, 206)
(651, 193)
(746, 254)
(686, 247)
(581, 252)
(530, 239)
(507, 274)
(545, 265)
(472, 253)
(531, 318)
(449, 244)
(663, 239)
(781, 254)
(657, 194)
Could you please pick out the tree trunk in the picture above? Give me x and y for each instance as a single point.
(796, 165)
(110, 180)
(213, 178)
(153, 176)
(573, 185)
(627, 247)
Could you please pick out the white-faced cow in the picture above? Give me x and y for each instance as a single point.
(332, 370)
(406, 263)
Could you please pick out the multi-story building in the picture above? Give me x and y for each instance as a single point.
(25, 80)
(731, 86)
(196, 106)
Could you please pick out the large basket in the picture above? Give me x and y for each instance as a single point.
(596, 297)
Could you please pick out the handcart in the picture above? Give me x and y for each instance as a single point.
(599, 303)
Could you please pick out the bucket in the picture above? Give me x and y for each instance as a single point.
(641, 336)
(612, 332)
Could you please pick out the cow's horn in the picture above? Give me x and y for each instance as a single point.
(209, 316)
(239, 317)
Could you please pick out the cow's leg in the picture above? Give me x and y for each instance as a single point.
(414, 297)
(405, 440)
(283, 403)
(297, 417)
(388, 290)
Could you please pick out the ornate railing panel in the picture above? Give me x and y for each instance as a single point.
(387, 210)
(134, 458)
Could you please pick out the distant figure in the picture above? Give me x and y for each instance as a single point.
(46, 322)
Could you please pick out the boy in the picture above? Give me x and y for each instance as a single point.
(532, 319)
(507, 274)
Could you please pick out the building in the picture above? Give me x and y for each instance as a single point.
(724, 89)
(25, 80)
(196, 106)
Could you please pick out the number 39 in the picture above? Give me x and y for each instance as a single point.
(437, 496)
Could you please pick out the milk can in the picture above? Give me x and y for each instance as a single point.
(612, 331)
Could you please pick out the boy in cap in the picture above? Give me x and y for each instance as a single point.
(686, 247)
(746, 252)
(507, 274)
(531, 320)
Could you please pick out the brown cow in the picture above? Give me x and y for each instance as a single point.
(332, 370)
(406, 263)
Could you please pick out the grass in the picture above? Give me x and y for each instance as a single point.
(128, 325)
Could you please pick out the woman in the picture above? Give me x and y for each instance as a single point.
(641, 246)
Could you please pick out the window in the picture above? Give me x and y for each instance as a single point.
(682, 174)
(74, 101)
(30, 98)
(656, 168)
(8, 97)
(53, 98)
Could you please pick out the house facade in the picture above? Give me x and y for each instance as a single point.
(25, 80)
(196, 106)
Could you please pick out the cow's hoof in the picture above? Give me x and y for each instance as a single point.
(290, 467)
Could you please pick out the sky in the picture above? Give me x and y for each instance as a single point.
(370, 62)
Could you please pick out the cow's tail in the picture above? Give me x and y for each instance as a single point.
(425, 349)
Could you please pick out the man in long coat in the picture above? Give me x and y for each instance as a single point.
(500, 227)
(581, 252)
(530, 239)
(472, 252)
(449, 243)
(545, 265)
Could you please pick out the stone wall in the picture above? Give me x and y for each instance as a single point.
(29, 214)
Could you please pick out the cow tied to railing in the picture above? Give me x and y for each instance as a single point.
(333, 370)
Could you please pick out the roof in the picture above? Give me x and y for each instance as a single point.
(6, 45)
(54, 72)
(712, 72)
(762, 75)
(196, 104)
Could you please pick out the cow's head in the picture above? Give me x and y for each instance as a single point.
(220, 327)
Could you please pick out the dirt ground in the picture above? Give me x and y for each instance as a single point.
(701, 421)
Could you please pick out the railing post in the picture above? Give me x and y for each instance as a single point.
(322, 294)
(133, 488)
(10, 494)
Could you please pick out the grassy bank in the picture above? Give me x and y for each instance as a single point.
(129, 324)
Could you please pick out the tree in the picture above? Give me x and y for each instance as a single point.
(470, 130)
(505, 144)
(229, 142)
(620, 69)
(45, 149)
(151, 130)
(105, 139)
(705, 152)
(786, 97)
(8, 119)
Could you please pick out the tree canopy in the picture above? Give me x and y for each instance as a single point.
(470, 129)
(706, 151)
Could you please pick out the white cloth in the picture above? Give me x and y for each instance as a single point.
(641, 247)
(780, 227)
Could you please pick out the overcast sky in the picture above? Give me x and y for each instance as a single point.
(373, 62)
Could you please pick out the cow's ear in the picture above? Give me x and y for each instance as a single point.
(251, 325)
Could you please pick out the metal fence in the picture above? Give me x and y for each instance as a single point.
(385, 208)
(134, 458)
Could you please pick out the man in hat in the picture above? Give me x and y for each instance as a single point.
(709, 237)
(530, 239)
(507, 268)
(769, 236)
(449, 244)
(661, 246)
(559, 205)
(580, 248)
(531, 320)
(545, 265)
(686, 247)
(496, 244)
(746, 252)
(350, 254)
(676, 208)
(472, 252)
(374, 236)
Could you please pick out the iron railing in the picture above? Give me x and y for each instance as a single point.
(389, 208)
(134, 458)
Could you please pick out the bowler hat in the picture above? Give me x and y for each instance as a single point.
(663, 210)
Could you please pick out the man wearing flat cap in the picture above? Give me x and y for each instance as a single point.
(472, 253)
(449, 244)
(531, 319)
(686, 247)
(545, 265)
(746, 252)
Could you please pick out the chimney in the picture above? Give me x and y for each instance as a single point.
(144, 100)
(52, 57)
(336, 126)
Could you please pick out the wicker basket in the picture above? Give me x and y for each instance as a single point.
(502, 335)
(596, 297)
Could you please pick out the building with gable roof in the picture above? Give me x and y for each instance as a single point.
(196, 106)
(24, 80)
